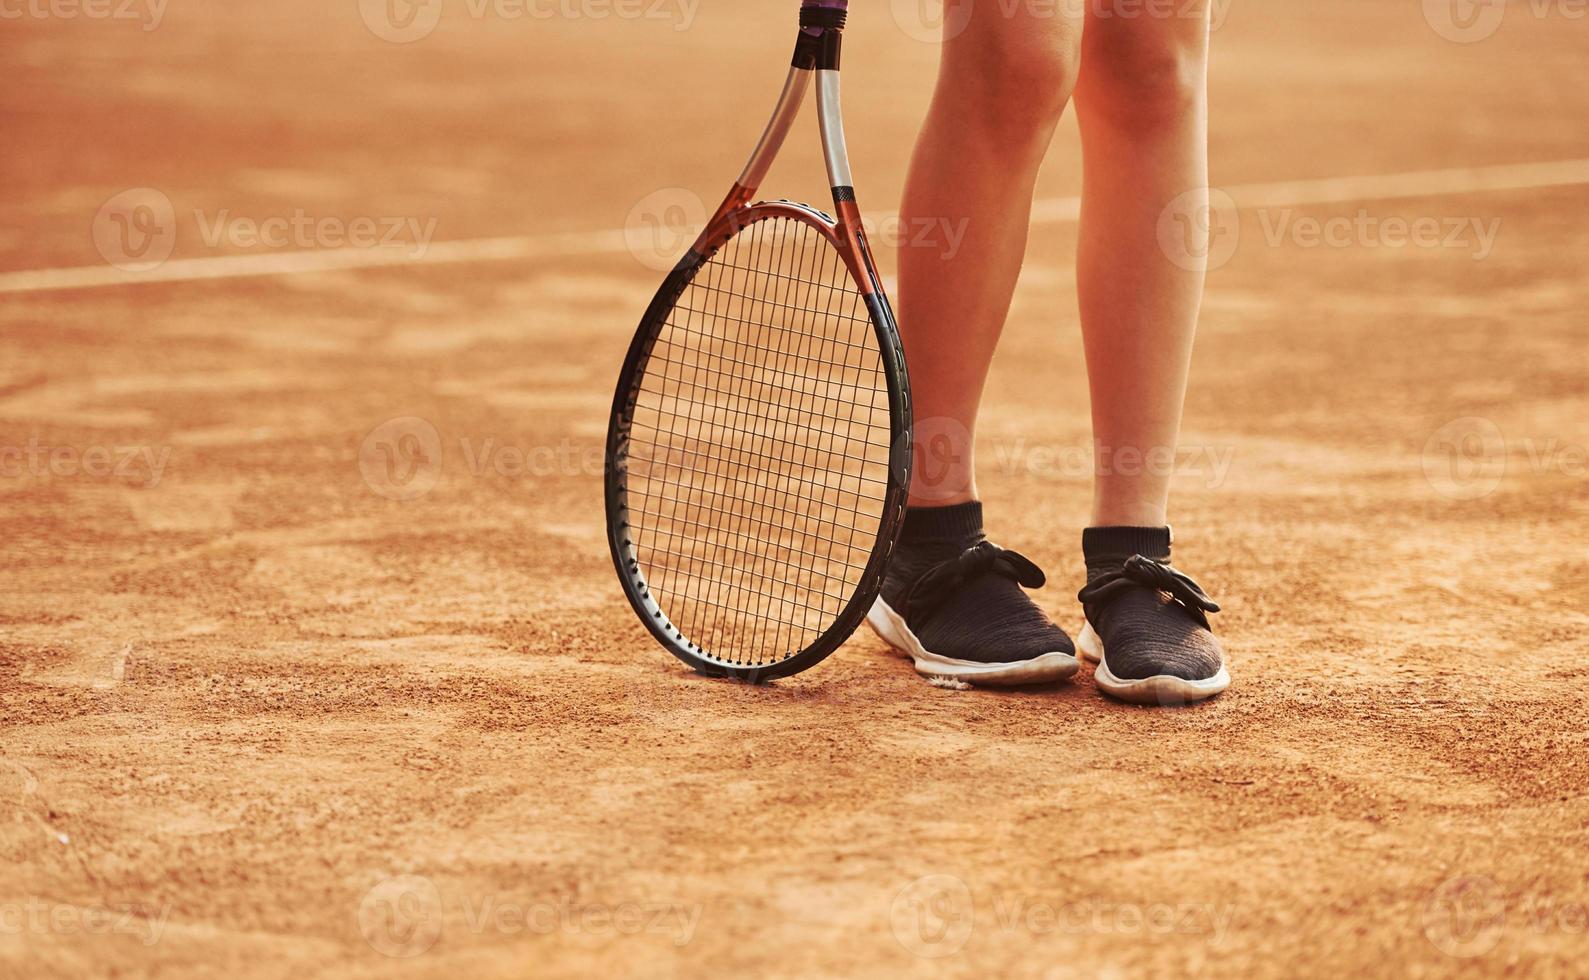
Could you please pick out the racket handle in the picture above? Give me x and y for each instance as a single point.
(821, 27)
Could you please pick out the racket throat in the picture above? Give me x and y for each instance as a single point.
(816, 53)
(830, 120)
(783, 117)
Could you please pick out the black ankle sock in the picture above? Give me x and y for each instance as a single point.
(930, 535)
(988, 618)
(955, 523)
(1145, 634)
(1107, 548)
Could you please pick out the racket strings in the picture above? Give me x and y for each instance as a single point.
(759, 447)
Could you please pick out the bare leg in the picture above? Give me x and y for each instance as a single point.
(1141, 102)
(1002, 84)
(1142, 105)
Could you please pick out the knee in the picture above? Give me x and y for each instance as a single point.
(1019, 76)
(1143, 80)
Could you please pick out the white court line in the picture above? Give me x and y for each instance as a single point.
(1374, 187)
(1329, 190)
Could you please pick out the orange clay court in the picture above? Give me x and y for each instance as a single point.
(312, 657)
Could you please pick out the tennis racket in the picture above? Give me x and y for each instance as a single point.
(759, 447)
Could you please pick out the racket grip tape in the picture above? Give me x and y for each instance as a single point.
(824, 13)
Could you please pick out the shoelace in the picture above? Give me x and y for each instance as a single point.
(943, 579)
(1159, 576)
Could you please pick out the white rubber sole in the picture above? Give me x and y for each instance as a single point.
(1161, 689)
(889, 625)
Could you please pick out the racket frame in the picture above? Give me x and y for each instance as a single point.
(816, 56)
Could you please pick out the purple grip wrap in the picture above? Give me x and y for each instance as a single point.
(821, 23)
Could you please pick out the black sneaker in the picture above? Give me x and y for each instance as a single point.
(1147, 623)
(952, 602)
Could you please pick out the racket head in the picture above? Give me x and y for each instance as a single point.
(759, 445)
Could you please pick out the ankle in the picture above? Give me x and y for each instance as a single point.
(1129, 513)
